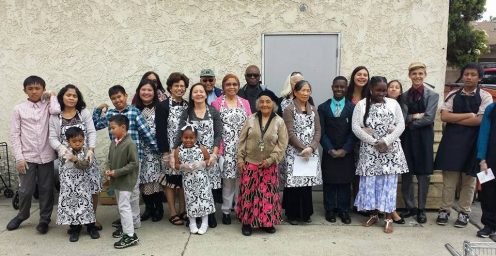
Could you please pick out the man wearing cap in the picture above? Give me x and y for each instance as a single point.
(207, 78)
(253, 87)
(418, 141)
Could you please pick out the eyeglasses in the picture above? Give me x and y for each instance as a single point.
(252, 75)
(208, 80)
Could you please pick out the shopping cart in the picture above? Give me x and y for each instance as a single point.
(5, 169)
(474, 249)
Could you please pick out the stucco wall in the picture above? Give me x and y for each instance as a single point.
(96, 44)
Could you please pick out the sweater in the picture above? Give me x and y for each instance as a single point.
(123, 160)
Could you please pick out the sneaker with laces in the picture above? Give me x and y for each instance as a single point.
(486, 232)
(126, 241)
(462, 220)
(193, 228)
(442, 218)
(117, 233)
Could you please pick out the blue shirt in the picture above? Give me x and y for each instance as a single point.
(335, 103)
(484, 131)
(138, 127)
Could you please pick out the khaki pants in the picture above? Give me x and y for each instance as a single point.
(450, 180)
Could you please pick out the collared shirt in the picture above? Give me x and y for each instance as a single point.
(416, 94)
(335, 103)
(117, 140)
(486, 99)
(138, 128)
(29, 131)
(211, 97)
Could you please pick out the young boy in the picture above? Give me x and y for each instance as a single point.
(32, 151)
(421, 103)
(138, 128)
(122, 168)
(456, 156)
(338, 163)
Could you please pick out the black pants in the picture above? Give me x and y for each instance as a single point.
(337, 197)
(298, 203)
(488, 203)
(423, 182)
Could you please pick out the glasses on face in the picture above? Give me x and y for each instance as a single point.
(252, 75)
(231, 84)
(207, 80)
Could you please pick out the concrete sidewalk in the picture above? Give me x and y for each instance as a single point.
(162, 238)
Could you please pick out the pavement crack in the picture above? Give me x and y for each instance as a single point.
(186, 245)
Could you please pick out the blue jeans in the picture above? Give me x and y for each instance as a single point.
(337, 197)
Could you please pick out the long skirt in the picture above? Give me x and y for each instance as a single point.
(297, 203)
(258, 202)
(377, 193)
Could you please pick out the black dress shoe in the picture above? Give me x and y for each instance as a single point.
(270, 230)
(212, 222)
(93, 231)
(42, 228)
(330, 216)
(409, 213)
(421, 218)
(400, 221)
(74, 236)
(246, 230)
(345, 217)
(226, 219)
(14, 224)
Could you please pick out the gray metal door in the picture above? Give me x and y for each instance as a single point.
(314, 55)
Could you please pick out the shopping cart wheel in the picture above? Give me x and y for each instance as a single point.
(8, 193)
(15, 201)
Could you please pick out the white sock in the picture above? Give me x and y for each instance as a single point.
(205, 220)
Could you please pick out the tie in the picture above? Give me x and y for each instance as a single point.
(338, 110)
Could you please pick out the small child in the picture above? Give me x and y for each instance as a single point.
(192, 158)
(75, 207)
(122, 168)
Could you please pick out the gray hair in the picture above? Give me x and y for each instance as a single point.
(275, 107)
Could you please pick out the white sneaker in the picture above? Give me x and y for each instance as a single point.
(203, 229)
(193, 228)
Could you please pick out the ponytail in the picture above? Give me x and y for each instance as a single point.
(367, 109)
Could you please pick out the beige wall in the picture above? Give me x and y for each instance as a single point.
(95, 44)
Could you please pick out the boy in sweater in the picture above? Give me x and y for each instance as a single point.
(122, 169)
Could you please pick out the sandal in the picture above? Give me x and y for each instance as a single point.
(371, 221)
(176, 220)
(388, 229)
(183, 216)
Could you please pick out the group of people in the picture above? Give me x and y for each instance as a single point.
(239, 145)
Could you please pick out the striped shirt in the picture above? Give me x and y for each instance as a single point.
(29, 131)
(138, 128)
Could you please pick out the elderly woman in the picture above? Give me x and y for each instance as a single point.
(287, 92)
(233, 112)
(303, 123)
(208, 123)
(167, 118)
(262, 143)
(74, 114)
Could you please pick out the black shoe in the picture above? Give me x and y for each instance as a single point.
(345, 217)
(401, 221)
(117, 233)
(116, 223)
(421, 218)
(246, 230)
(148, 208)
(126, 241)
(330, 216)
(270, 230)
(486, 232)
(14, 224)
(462, 220)
(42, 228)
(74, 235)
(442, 218)
(212, 222)
(292, 221)
(226, 219)
(158, 214)
(409, 213)
(93, 231)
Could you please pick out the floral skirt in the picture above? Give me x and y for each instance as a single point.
(258, 202)
(377, 193)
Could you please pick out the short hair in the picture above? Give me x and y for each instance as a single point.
(175, 77)
(120, 120)
(80, 105)
(228, 76)
(189, 127)
(300, 84)
(74, 132)
(475, 66)
(115, 90)
(30, 80)
(416, 65)
(338, 78)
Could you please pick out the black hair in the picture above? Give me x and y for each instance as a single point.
(475, 66)
(340, 78)
(300, 85)
(80, 105)
(400, 101)
(139, 102)
(191, 103)
(375, 80)
(157, 83)
(120, 120)
(189, 127)
(115, 90)
(34, 80)
(351, 89)
(175, 77)
(73, 132)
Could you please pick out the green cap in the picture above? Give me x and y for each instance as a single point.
(207, 72)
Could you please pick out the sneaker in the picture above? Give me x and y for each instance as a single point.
(193, 228)
(116, 223)
(126, 241)
(203, 229)
(462, 220)
(486, 232)
(442, 218)
(117, 233)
